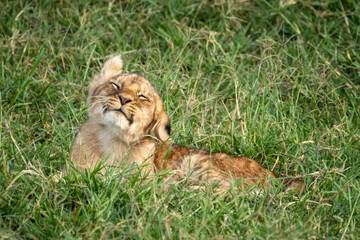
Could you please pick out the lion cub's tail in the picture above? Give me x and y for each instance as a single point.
(294, 184)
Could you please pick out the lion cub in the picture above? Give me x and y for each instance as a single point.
(128, 124)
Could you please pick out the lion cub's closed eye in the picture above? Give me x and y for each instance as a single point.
(128, 124)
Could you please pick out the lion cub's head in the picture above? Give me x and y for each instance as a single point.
(127, 104)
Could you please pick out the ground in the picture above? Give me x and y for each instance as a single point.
(277, 81)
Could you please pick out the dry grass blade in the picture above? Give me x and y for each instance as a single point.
(323, 201)
(19, 175)
(28, 165)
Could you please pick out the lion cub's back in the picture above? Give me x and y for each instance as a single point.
(212, 167)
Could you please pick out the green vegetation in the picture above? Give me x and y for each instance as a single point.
(277, 81)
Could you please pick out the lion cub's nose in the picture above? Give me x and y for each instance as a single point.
(124, 100)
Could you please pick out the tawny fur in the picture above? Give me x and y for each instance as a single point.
(127, 124)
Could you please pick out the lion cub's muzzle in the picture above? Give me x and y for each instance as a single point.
(130, 118)
(122, 106)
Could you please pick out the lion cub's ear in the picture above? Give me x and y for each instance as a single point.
(162, 127)
(111, 68)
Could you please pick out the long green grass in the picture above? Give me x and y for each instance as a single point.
(278, 81)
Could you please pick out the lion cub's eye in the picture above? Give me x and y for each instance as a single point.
(115, 86)
(142, 97)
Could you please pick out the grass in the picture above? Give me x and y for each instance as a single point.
(277, 81)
